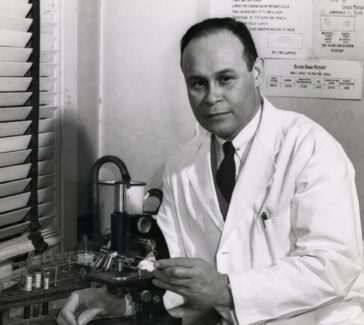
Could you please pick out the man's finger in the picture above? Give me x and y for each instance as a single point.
(175, 272)
(163, 285)
(66, 319)
(67, 314)
(176, 261)
(72, 303)
(63, 320)
(172, 280)
(88, 315)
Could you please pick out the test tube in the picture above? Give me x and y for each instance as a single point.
(85, 243)
(119, 265)
(55, 276)
(46, 281)
(28, 288)
(37, 287)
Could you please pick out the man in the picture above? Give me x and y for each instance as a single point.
(260, 210)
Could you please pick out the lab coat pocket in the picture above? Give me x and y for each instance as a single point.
(275, 234)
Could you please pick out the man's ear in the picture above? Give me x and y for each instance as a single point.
(258, 71)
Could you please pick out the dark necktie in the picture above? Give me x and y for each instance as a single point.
(225, 176)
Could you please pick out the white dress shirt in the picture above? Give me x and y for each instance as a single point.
(241, 143)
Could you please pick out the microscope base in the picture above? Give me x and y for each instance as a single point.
(132, 321)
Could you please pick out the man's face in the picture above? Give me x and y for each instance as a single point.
(223, 94)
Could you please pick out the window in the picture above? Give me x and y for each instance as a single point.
(28, 128)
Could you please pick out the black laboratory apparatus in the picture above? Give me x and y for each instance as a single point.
(135, 237)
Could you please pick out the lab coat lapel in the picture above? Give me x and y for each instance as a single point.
(257, 171)
(201, 178)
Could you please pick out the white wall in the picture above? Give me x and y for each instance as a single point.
(89, 80)
(145, 111)
(80, 89)
(68, 164)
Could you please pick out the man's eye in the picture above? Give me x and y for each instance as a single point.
(197, 85)
(225, 80)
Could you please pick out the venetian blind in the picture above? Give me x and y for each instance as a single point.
(28, 101)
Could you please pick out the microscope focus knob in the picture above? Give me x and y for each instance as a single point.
(156, 299)
(144, 225)
(145, 296)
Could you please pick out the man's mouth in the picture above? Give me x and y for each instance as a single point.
(216, 114)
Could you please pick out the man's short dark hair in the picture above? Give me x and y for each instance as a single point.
(213, 25)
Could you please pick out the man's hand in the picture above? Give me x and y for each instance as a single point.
(82, 306)
(193, 278)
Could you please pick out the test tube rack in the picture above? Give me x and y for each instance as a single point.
(65, 276)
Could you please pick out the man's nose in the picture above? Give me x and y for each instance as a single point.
(213, 94)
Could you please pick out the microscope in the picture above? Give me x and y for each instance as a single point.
(135, 236)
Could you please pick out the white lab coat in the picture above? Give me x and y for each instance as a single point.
(306, 254)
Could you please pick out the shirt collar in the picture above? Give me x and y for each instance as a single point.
(245, 135)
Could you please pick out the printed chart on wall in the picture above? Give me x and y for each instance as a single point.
(311, 48)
